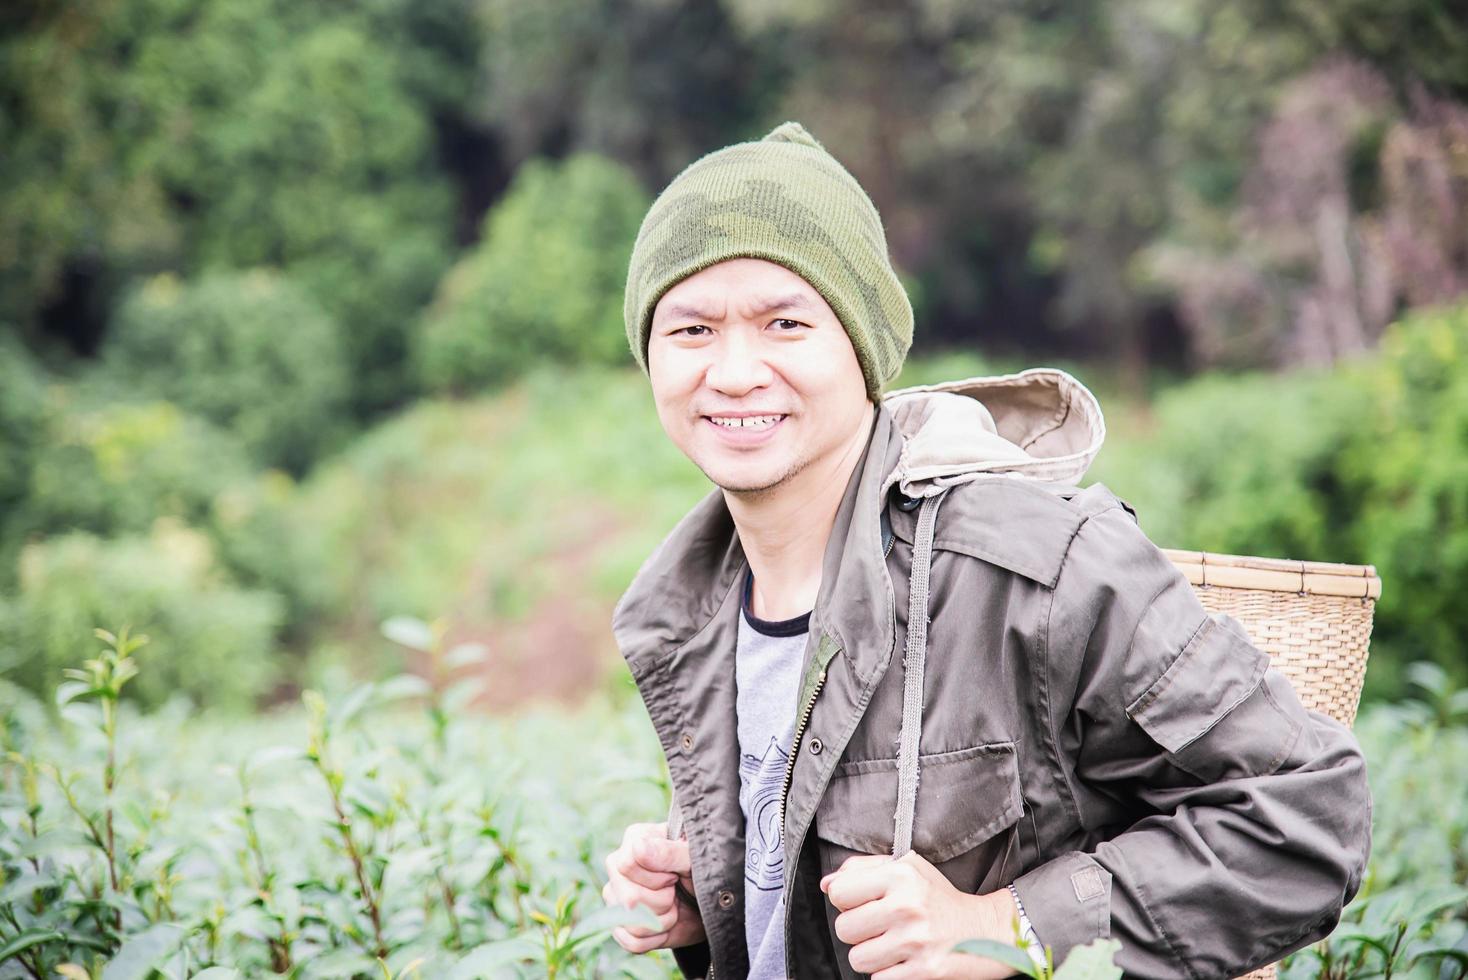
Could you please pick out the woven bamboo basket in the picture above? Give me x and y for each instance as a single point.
(1312, 618)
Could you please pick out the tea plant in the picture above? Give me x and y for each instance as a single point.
(388, 832)
(382, 841)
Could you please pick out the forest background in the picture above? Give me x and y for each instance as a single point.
(299, 301)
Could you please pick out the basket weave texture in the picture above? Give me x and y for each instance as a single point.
(1312, 618)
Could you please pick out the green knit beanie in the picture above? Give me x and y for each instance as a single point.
(786, 200)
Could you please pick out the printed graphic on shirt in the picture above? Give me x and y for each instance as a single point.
(759, 796)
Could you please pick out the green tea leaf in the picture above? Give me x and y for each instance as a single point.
(137, 957)
(53, 841)
(1011, 956)
(1093, 961)
(482, 959)
(407, 631)
(28, 939)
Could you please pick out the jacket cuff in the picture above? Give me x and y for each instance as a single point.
(1068, 901)
(694, 960)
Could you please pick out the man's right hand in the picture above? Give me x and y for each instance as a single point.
(645, 871)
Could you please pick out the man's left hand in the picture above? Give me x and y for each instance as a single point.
(902, 918)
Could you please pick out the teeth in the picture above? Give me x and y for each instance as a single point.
(753, 422)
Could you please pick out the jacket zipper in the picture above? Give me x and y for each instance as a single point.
(800, 724)
(804, 720)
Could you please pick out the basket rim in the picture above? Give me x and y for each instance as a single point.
(1209, 568)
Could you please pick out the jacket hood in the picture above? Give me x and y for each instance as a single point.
(1040, 424)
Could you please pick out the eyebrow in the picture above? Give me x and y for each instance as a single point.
(763, 305)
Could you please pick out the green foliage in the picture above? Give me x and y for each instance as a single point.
(1410, 918)
(336, 191)
(117, 467)
(259, 537)
(22, 414)
(151, 134)
(114, 468)
(545, 284)
(487, 509)
(1408, 473)
(388, 831)
(385, 833)
(1217, 470)
(248, 352)
(1363, 464)
(213, 642)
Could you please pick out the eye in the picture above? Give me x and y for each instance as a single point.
(793, 325)
(691, 331)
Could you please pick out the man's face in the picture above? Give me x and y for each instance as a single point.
(753, 375)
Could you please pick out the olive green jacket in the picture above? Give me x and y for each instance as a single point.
(1088, 732)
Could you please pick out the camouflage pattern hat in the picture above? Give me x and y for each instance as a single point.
(786, 200)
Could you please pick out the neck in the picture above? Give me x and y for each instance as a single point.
(784, 530)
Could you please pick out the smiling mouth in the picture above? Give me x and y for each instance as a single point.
(746, 422)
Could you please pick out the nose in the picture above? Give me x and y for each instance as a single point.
(739, 365)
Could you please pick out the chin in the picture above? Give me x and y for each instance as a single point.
(734, 479)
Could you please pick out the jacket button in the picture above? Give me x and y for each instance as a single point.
(816, 745)
(687, 742)
(726, 899)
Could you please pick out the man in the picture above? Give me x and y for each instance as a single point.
(914, 685)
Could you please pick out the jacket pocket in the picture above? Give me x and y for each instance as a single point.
(1218, 711)
(964, 797)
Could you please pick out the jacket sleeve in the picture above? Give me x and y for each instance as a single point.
(1250, 816)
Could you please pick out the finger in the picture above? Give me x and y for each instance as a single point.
(857, 861)
(876, 954)
(661, 904)
(864, 922)
(636, 831)
(661, 854)
(664, 925)
(848, 889)
(638, 944)
(622, 864)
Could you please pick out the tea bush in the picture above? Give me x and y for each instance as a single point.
(391, 831)
(434, 842)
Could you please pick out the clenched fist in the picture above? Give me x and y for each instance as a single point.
(645, 870)
(902, 918)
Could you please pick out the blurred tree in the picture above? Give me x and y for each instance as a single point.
(22, 439)
(247, 351)
(106, 463)
(153, 135)
(211, 641)
(652, 83)
(116, 468)
(1354, 208)
(1410, 41)
(1407, 477)
(324, 171)
(544, 284)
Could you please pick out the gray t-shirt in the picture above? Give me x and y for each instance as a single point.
(767, 665)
